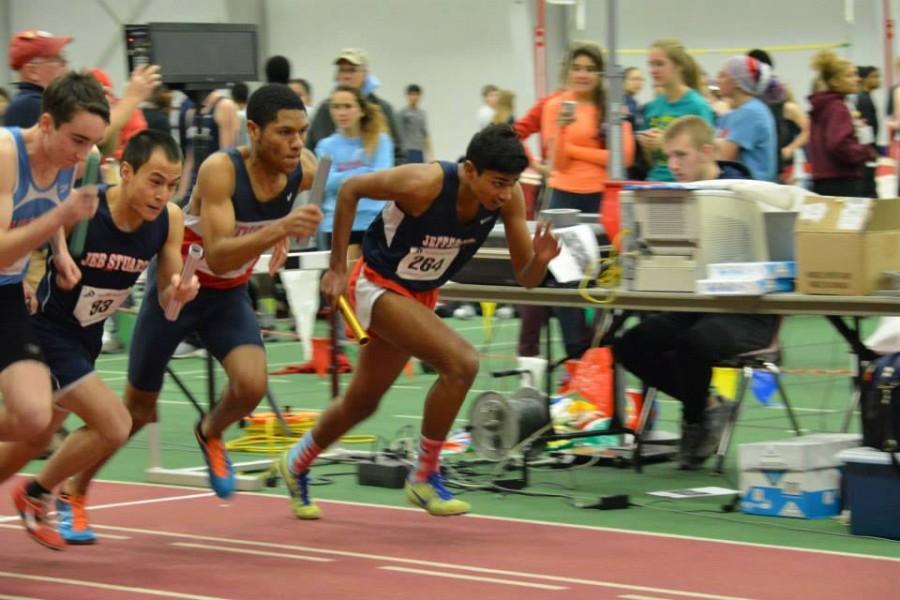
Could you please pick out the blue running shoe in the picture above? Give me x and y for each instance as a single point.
(434, 497)
(298, 486)
(221, 473)
(72, 523)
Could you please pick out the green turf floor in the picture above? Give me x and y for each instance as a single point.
(808, 343)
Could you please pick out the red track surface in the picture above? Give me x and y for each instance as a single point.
(195, 546)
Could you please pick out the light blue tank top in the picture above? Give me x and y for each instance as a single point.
(31, 201)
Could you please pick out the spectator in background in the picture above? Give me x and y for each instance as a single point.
(213, 124)
(4, 103)
(573, 124)
(870, 80)
(126, 118)
(837, 155)
(746, 133)
(413, 124)
(678, 77)
(485, 114)
(353, 71)
(634, 83)
(239, 93)
(360, 145)
(278, 70)
(505, 109)
(675, 352)
(38, 57)
(158, 109)
(303, 89)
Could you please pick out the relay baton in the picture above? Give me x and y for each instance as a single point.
(362, 338)
(79, 232)
(317, 192)
(194, 254)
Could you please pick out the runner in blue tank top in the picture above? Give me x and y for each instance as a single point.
(37, 170)
(438, 216)
(134, 223)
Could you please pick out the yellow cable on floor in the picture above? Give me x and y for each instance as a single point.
(263, 433)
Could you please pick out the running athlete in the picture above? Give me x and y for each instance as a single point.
(133, 223)
(240, 208)
(37, 172)
(439, 216)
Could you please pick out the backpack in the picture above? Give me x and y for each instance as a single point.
(880, 405)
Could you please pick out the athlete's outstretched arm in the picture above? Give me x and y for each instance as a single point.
(16, 243)
(170, 263)
(529, 256)
(225, 251)
(410, 187)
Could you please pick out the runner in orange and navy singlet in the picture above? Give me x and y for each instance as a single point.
(436, 217)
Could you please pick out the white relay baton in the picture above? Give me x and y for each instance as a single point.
(194, 254)
(317, 191)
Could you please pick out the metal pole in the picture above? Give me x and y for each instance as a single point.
(615, 168)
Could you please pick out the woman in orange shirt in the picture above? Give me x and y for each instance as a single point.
(573, 122)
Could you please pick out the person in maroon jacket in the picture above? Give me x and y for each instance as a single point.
(837, 155)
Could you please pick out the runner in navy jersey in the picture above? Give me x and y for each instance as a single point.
(439, 215)
(37, 170)
(241, 207)
(133, 223)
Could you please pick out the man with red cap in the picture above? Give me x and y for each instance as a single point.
(37, 56)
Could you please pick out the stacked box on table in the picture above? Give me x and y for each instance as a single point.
(872, 485)
(798, 477)
(747, 278)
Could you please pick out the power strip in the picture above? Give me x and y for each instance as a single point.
(383, 472)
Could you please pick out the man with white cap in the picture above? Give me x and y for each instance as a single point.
(353, 70)
(37, 56)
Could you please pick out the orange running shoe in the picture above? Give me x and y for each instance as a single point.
(34, 517)
(221, 473)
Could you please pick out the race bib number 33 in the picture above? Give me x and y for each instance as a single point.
(95, 304)
(426, 264)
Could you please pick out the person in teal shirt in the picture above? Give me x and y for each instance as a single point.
(675, 73)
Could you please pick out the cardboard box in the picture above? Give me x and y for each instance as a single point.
(793, 478)
(872, 485)
(800, 494)
(743, 287)
(804, 453)
(844, 244)
(753, 270)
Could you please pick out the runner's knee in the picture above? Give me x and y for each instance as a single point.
(460, 365)
(31, 421)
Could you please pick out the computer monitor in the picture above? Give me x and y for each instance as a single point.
(677, 232)
(195, 55)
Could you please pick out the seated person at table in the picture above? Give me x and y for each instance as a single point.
(675, 352)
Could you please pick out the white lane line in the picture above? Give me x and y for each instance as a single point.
(422, 563)
(108, 586)
(253, 552)
(636, 597)
(104, 536)
(5, 597)
(539, 586)
(556, 524)
(132, 503)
